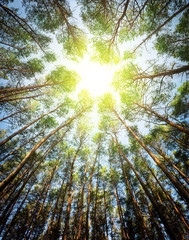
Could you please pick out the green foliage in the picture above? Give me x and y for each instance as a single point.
(104, 53)
(107, 102)
(180, 101)
(67, 78)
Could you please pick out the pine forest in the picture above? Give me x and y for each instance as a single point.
(94, 100)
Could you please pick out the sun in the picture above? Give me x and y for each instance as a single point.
(95, 78)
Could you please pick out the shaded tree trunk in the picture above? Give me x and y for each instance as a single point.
(179, 127)
(157, 206)
(163, 24)
(65, 233)
(167, 73)
(183, 192)
(14, 173)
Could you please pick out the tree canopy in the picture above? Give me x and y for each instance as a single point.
(76, 165)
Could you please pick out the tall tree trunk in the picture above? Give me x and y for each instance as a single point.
(186, 179)
(17, 18)
(183, 192)
(16, 214)
(152, 200)
(167, 195)
(125, 234)
(155, 222)
(105, 211)
(11, 153)
(81, 205)
(18, 98)
(89, 195)
(136, 206)
(95, 207)
(14, 173)
(15, 93)
(64, 237)
(29, 124)
(163, 24)
(55, 209)
(179, 127)
(44, 198)
(22, 110)
(37, 86)
(167, 73)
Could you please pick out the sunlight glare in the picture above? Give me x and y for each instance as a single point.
(95, 78)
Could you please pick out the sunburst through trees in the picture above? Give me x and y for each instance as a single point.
(94, 124)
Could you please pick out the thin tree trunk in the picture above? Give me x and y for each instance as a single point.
(14, 173)
(123, 228)
(18, 89)
(89, 195)
(2, 119)
(11, 153)
(136, 206)
(105, 212)
(167, 73)
(55, 209)
(14, 69)
(16, 214)
(46, 189)
(167, 195)
(19, 98)
(28, 125)
(179, 127)
(156, 223)
(64, 237)
(186, 179)
(163, 24)
(158, 150)
(7, 211)
(183, 192)
(152, 200)
(16, 93)
(81, 204)
(95, 207)
(14, 16)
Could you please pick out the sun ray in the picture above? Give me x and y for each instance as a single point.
(95, 78)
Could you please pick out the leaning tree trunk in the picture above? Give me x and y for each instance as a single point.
(89, 195)
(162, 118)
(22, 110)
(123, 228)
(37, 86)
(55, 209)
(163, 24)
(11, 153)
(183, 192)
(105, 211)
(81, 205)
(22, 23)
(152, 200)
(167, 73)
(186, 179)
(167, 195)
(69, 195)
(141, 221)
(14, 173)
(28, 125)
(16, 214)
(19, 98)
